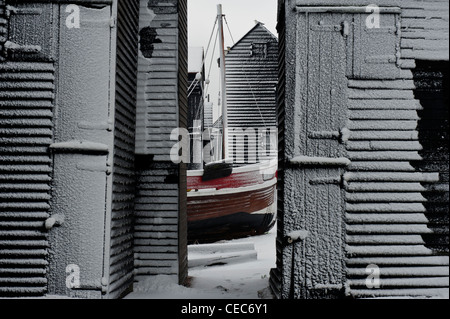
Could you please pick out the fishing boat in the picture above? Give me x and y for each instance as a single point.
(226, 200)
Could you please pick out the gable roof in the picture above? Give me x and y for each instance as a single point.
(258, 25)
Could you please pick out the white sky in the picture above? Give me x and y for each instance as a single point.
(241, 16)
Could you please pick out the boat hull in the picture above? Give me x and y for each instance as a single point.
(240, 205)
(232, 226)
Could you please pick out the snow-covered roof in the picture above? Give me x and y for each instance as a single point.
(195, 59)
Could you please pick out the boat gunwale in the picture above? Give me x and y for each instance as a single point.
(264, 166)
(230, 191)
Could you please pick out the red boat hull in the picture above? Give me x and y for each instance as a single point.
(231, 207)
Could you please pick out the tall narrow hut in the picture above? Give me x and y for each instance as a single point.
(251, 75)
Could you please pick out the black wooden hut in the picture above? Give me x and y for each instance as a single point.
(363, 122)
(90, 200)
(251, 81)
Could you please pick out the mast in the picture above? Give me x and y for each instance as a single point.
(225, 150)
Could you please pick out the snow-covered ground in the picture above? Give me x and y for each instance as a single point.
(245, 278)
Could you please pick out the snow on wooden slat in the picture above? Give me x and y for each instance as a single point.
(388, 135)
(431, 282)
(438, 55)
(27, 91)
(391, 250)
(386, 207)
(400, 261)
(382, 166)
(406, 293)
(381, 104)
(407, 63)
(371, 94)
(385, 156)
(384, 84)
(384, 187)
(384, 145)
(380, 125)
(391, 177)
(420, 44)
(391, 218)
(389, 229)
(385, 239)
(385, 115)
(404, 272)
(385, 197)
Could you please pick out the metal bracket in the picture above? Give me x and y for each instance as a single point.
(80, 147)
(113, 22)
(296, 236)
(343, 135)
(345, 28)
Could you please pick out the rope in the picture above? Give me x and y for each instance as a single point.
(194, 83)
(229, 31)
(212, 59)
(245, 75)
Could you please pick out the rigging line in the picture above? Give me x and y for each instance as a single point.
(195, 83)
(229, 31)
(209, 42)
(254, 96)
(207, 50)
(212, 59)
(199, 109)
(246, 77)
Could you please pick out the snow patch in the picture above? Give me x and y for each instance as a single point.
(298, 235)
(246, 279)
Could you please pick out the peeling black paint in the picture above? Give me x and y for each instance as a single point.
(172, 178)
(148, 37)
(431, 81)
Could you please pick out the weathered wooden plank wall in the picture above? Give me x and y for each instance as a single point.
(83, 150)
(386, 221)
(431, 80)
(160, 211)
(68, 109)
(27, 88)
(425, 33)
(251, 73)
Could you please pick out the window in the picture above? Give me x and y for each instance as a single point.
(259, 50)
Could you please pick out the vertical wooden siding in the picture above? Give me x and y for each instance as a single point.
(183, 109)
(276, 274)
(121, 251)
